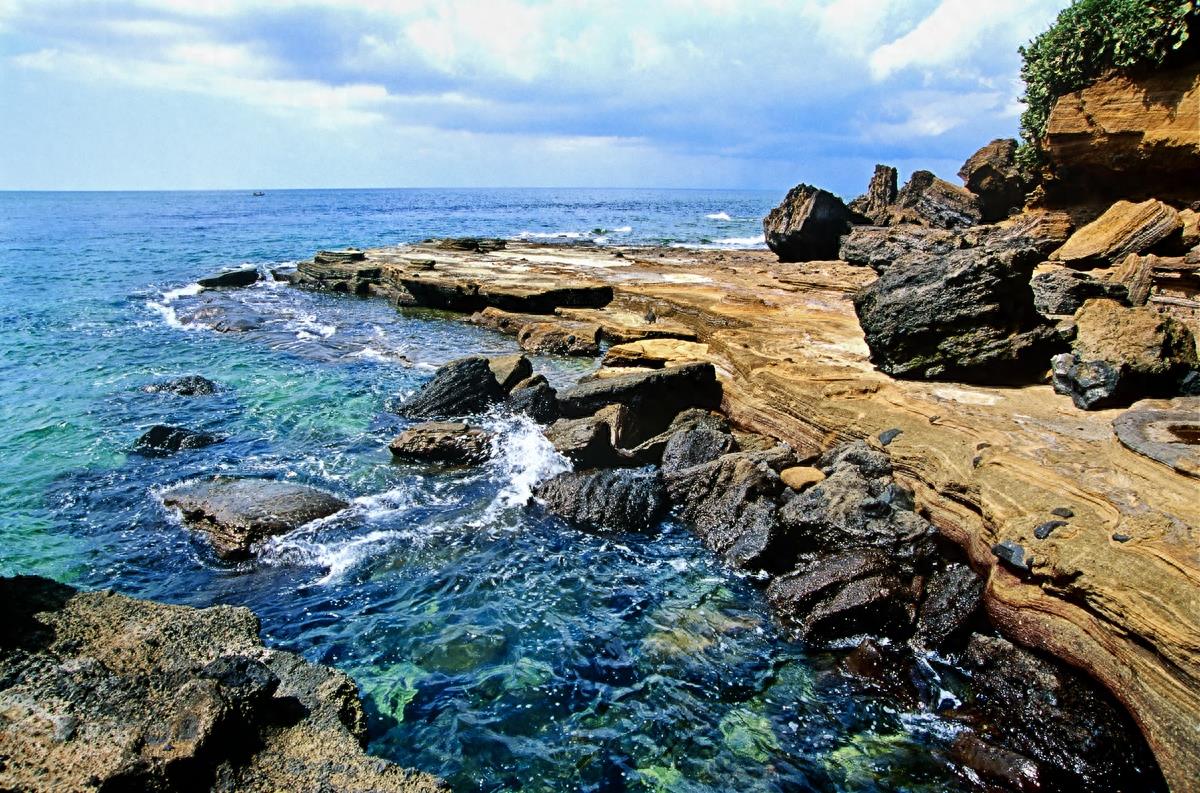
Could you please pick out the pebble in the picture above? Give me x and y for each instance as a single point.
(1043, 531)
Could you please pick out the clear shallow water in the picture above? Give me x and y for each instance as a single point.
(494, 646)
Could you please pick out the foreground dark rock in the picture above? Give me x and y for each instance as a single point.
(161, 440)
(879, 246)
(102, 692)
(460, 388)
(626, 499)
(966, 316)
(236, 513)
(445, 442)
(536, 398)
(187, 385)
(807, 225)
(243, 277)
(1062, 291)
(992, 174)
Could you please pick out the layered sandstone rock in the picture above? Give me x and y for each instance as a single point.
(876, 204)
(929, 201)
(448, 442)
(1124, 229)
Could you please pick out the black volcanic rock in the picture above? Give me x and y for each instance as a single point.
(807, 226)
(460, 388)
(626, 499)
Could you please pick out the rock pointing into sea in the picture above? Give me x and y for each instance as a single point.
(103, 692)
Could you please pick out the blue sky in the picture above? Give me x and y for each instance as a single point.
(161, 94)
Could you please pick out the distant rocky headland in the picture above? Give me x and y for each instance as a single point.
(951, 419)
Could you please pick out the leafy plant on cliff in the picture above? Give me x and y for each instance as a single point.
(1089, 38)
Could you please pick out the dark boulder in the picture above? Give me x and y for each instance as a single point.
(536, 398)
(952, 596)
(1040, 709)
(223, 316)
(807, 225)
(630, 499)
(459, 388)
(879, 246)
(595, 441)
(161, 440)
(650, 452)
(992, 174)
(655, 397)
(187, 385)
(877, 203)
(929, 201)
(967, 316)
(446, 442)
(695, 446)
(1062, 291)
(242, 277)
(236, 513)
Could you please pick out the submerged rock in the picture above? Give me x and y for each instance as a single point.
(161, 440)
(242, 277)
(223, 316)
(447, 442)
(807, 225)
(187, 385)
(103, 692)
(967, 316)
(236, 513)
(992, 174)
(459, 388)
(628, 499)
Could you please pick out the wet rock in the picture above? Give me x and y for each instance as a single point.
(800, 477)
(992, 174)
(560, 338)
(953, 594)
(1062, 291)
(243, 277)
(1122, 354)
(446, 442)
(630, 499)
(161, 440)
(655, 397)
(929, 201)
(807, 226)
(510, 370)
(695, 446)
(994, 764)
(459, 388)
(193, 701)
(236, 513)
(879, 247)
(535, 398)
(730, 503)
(339, 271)
(1042, 710)
(595, 441)
(187, 385)
(1168, 432)
(886, 667)
(968, 316)
(1124, 229)
(876, 204)
(223, 317)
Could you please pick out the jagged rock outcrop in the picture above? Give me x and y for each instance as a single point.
(967, 316)
(993, 175)
(1127, 136)
(103, 692)
(536, 398)
(875, 205)
(186, 385)
(628, 499)
(807, 225)
(596, 441)
(237, 513)
(1122, 354)
(1124, 229)
(879, 246)
(1060, 291)
(509, 370)
(161, 440)
(242, 277)
(460, 388)
(929, 201)
(446, 442)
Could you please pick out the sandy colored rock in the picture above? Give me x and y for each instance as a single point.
(449, 442)
(655, 353)
(510, 370)
(929, 201)
(1124, 229)
(876, 204)
(559, 337)
(101, 691)
(801, 476)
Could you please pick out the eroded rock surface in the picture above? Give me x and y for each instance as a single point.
(1124, 229)
(460, 388)
(628, 499)
(161, 440)
(807, 225)
(930, 201)
(102, 692)
(447, 442)
(992, 174)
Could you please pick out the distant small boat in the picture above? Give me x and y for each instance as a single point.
(258, 193)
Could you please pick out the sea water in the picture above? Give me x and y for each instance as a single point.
(494, 646)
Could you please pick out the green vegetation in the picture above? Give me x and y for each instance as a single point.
(1089, 38)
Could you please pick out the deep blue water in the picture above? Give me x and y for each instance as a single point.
(496, 647)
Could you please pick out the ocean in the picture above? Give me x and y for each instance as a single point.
(494, 646)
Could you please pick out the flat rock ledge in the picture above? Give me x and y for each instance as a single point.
(103, 692)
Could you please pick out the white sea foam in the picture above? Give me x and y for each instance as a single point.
(623, 230)
(551, 235)
(719, 216)
(163, 305)
(525, 458)
(743, 241)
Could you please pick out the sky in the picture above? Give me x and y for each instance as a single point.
(271, 94)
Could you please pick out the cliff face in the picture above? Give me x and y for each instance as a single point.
(1132, 137)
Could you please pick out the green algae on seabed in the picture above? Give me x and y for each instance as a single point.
(389, 689)
(749, 734)
(869, 757)
(664, 779)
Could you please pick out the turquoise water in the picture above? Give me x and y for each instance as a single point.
(494, 646)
